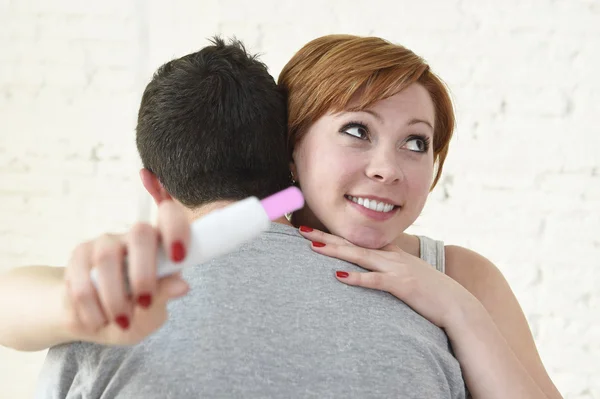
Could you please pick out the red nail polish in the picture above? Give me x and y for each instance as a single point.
(145, 300)
(318, 244)
(177, 251)
(122, 321)
(305, 229)
(342, 274)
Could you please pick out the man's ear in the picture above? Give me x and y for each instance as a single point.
(154, 186)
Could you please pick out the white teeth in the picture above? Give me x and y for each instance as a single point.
(372, 204)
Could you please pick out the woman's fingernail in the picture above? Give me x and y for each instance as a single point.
(177, 251)
(342, 274)
(318, 244)
(305, 229)
(122, 321)
(145, 300)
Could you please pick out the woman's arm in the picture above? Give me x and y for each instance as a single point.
(482, 279)
(33, 308)
(44, 306)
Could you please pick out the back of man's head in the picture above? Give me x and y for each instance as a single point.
(212, 126)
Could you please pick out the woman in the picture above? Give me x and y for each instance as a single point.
(369, 128)
(368, 121)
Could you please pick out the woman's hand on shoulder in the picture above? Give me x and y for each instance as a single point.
(472, 292)
(432, 294)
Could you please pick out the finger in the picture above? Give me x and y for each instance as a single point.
(377, 281)
(81, 292)
(142, 244)
(174, 230)
(89, 319)
(369, 259)
(108, 259)
(172, 287)
(322, 237)
(84, 318)
(406, 288)
(149, 320)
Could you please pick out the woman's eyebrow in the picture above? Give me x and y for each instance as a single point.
(375, 114)
(414, 121)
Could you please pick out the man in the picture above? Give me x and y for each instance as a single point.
(268, 320)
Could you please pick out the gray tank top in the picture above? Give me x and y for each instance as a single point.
(270, 321)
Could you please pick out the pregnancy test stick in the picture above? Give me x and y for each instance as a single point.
(224, 230)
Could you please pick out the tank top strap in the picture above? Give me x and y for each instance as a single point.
(432, 252)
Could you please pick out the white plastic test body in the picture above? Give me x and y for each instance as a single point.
(224, 230)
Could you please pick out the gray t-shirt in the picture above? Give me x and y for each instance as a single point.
(268, 321)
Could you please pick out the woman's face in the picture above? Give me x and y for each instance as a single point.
(366, 175)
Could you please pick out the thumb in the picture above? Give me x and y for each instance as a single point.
(172, 287)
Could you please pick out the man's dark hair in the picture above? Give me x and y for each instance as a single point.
(212, 126)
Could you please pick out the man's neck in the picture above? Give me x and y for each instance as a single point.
(197, 213)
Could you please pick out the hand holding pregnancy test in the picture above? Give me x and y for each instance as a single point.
(224, 230)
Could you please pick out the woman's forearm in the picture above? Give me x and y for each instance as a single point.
(32, 308)
(490, 368)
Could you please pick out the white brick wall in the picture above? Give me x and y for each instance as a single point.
(522, 182)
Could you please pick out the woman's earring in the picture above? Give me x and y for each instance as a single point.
(289, 216)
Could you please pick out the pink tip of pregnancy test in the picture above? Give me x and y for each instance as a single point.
(285, 201)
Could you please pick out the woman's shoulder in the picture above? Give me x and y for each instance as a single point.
(474, 271)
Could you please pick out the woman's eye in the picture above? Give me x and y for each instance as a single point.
(357, 131)
(417, 145)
